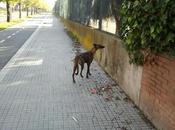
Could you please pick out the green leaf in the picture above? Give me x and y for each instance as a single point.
(158, 29)
(153, 35)
(170, 37)
(173, 24)
(129, 19)
(128, 41)
(136, 3)
(135, 24)
(152, 29)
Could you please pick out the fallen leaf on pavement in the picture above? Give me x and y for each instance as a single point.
(93, 91)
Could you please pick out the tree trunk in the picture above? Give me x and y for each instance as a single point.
(88, 13)
(31, 11)
(115, 10)
(100, 16)
(12, 9)
(19, 9)
(100, 24)
(117, 25)
(36, 10)
(27, 11)
(8, 11)
(88, 22)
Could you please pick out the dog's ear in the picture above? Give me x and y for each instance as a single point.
(94, 44)
(98, 46)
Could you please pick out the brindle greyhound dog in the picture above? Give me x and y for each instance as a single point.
(82, 58)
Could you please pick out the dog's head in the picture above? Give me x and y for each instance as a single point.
(98, 46)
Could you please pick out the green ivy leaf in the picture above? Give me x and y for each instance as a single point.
(173, 24)
(128, 41)
(135, 24)
(170, 37)
(153, 35)
(152, 29)
(129, 19)
(136, 3)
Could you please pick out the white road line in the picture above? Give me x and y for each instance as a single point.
(2, 41)
(9, 37)
(17, 31)
(13, 34)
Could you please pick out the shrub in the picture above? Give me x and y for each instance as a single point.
(147, 26)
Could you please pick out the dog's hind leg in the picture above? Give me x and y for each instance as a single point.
(82, 67)
(88, 70)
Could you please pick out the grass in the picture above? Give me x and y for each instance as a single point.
(2, 11)
(5, 25)
(71, 35)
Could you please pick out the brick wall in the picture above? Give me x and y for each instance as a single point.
(157, 95)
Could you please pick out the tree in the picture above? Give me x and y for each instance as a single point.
(19, 3)
(105, 9)
(84, 10)
(115, 6)
(34, 5)
(8, 9)
(100, 11)
(27, 4)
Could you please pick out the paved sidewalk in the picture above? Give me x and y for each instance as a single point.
(37, 93)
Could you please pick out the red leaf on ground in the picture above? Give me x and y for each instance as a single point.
(93, 91)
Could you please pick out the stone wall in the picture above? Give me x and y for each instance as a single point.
(113, 59)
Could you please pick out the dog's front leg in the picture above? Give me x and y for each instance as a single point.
(73, 74)
(73, 78)
(89, 69)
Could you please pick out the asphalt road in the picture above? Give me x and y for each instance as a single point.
(13, 38)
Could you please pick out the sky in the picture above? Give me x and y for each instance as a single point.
(51, 3)
(2, 5)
